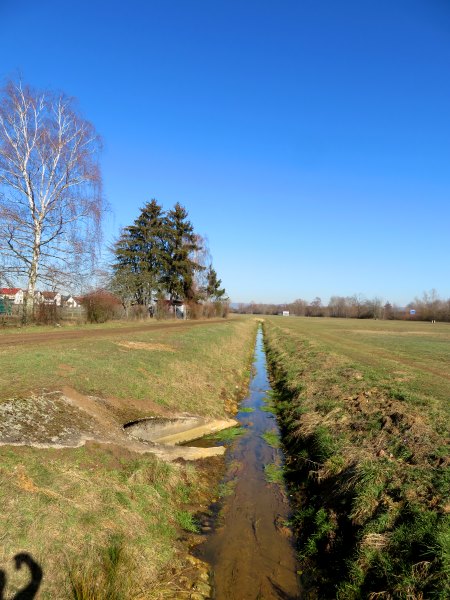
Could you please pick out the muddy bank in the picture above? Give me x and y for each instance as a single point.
(250, 547)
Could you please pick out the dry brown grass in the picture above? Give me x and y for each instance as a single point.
(146, 346)
(76, 510)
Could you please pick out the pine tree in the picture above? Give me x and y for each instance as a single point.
(140, 256)
(213, 291)
(180, 243)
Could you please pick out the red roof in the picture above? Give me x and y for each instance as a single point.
(49, 295)
(9, 291)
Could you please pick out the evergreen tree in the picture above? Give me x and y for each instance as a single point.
(180, 243)
(213, 291)
(140, 256)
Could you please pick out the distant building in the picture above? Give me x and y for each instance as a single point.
(70, 301)
(285, 313)
(13, 294)
(50, 298)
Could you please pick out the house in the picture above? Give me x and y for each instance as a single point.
(13, 294)
(174, 306)
(70, 301)
(50, 298)
(179, 308)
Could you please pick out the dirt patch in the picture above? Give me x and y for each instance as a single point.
(95, 407)
(66, 368)
(145, 346)
(44, 419)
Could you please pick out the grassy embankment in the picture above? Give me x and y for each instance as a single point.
(103, 522)
(181, 368)
(364, 413)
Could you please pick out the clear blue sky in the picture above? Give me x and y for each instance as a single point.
(309, 140)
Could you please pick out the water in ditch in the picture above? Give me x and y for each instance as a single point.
(251, 549)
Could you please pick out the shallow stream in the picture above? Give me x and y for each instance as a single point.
(250, 549)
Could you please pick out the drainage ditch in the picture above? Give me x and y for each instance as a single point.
(250, 547)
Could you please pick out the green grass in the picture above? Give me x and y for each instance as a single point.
(17, 328)
(186, 521)
(272, 438)
(274, 473)
(363, 407)
(246, 409)
(268, 408)
(101, 511)
(227, 435)
(226, 488)
(194, 369)
(103, 578)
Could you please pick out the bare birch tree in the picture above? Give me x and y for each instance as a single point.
(50, 188)
(201, 255)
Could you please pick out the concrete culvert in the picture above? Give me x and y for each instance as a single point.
(175, 430)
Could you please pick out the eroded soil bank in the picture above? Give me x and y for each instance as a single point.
(251, 548)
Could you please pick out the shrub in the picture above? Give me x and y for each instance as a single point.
(101, 306)
(138, 312)
(46, 314)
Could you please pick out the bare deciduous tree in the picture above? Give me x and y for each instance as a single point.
(201, 255)
(50, 187)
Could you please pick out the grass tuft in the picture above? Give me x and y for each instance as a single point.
(227, 435)
(272, 438)
(274, 473)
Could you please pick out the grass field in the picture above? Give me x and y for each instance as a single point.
(181, 368)
(102, 521)
(365, 417)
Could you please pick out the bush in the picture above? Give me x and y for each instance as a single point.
(101, 306)
(195, 310)
(46, 314)
(138, 312)
(163, 309)
(208, 310)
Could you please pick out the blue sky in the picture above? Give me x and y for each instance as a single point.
(309, 140)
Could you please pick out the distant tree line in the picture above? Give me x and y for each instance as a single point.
(429, 307)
